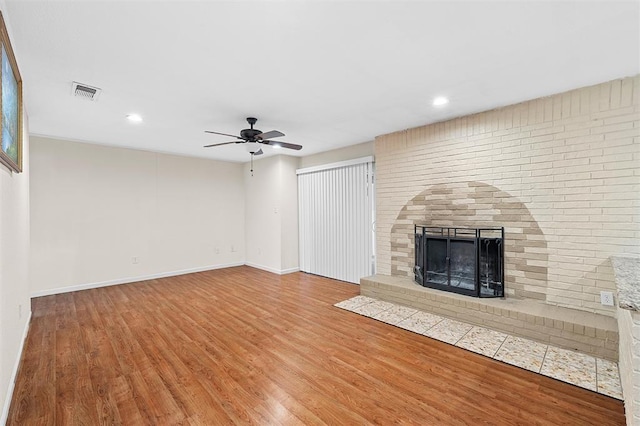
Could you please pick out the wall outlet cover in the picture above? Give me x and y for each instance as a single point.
(606, 298)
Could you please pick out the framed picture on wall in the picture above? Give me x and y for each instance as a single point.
(10, 104)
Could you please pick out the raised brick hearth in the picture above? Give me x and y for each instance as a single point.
(587, 332)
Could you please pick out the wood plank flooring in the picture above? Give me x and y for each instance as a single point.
(243, 346)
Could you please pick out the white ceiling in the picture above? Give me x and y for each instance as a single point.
(326, 73)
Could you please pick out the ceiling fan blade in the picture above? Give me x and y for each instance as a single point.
(269, 135)
(283, 145)
(219, 144)
(223, 134)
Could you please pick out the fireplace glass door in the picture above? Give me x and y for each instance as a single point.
(436, 265)
(461, 260)
(462, 268)
(490, 273)
(451, 263)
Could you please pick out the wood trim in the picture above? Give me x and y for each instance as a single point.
(6, 43)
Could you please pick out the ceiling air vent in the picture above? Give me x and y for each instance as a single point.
(85, 91)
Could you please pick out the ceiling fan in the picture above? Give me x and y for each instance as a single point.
(254, 138)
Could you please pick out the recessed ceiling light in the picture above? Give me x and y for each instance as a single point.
(135, 118)
(275, 146)
(440, 100)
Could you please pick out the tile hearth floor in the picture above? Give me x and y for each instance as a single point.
(598, 375)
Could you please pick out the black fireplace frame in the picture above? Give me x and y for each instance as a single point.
(482, 239)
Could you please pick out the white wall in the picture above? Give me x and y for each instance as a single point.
(271, 200)
(262, 220)
(15, 306)
(95, 208)
(272, 214)
(289, 212)
(341, 154)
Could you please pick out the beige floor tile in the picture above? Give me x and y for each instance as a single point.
(372, 309)
(395, 315)
(420, 322)
(571, 373)
(607, 368)
(564, 356)
(608, 378)
(448, 331)
(354, 302)
(610, 386)
(523, 353)
(482, 340)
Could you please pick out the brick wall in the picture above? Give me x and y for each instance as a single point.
(629, 362)
(568, 162)
(479, 205)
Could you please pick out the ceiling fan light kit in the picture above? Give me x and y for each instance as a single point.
(254, 148)
(254, 138)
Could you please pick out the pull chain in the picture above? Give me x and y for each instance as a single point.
(252, 164)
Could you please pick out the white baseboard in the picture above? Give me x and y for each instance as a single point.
(130, 280)
(272, 270)
(14, 373)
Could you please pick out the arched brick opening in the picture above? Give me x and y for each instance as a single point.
(477, 204)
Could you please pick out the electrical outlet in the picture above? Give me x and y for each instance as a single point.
(19, 311)
(135, 260)
(233, 249)
(606, 298)
(217, 250)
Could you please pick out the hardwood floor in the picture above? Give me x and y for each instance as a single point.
(243, 346)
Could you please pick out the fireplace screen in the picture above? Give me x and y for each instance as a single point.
(461, 260)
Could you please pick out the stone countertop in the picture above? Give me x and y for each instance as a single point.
(627, 272)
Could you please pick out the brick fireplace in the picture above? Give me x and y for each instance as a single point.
(477, 205)
(559, 173)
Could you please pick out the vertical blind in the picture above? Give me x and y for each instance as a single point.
(336, 219)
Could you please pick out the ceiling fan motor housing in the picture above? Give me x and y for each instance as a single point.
(250, 134)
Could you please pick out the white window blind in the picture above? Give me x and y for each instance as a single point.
(336, 219)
